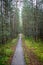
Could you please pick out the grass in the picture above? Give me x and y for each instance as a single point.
(36, 47)
(6, 52)
(26, 59)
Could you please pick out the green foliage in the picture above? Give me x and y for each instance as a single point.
(37, 47)
(27, 59)
(27, 16)
(6, 52)
(32, 19)
(9, 20)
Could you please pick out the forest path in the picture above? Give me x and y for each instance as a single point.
(18, 58)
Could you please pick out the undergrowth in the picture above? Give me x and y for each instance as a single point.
(36, 47)
(6, 52)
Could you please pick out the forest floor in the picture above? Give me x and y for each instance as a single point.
(33, 52)
(6, 52)
(21, 52)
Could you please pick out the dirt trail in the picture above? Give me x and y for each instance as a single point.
(18, 58)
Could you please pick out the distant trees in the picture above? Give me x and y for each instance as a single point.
(32, 16)
(9, 19)
(27, 15)
(38, 17)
